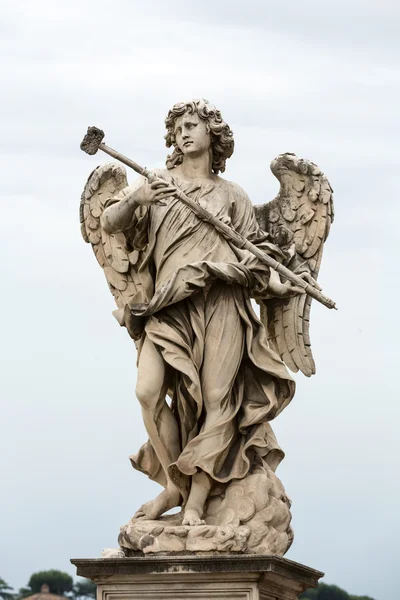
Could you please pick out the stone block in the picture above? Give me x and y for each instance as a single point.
(198, 577)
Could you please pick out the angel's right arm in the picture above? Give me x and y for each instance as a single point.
(119, 214)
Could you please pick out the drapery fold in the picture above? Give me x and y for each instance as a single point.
(200, 318)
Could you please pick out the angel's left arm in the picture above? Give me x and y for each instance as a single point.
(120, 211)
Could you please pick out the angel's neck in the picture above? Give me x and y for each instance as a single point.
(197, 167)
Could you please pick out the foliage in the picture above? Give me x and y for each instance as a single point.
(310, 594)
(6, 592)
(84, 589)
(329, 592)
(332, 592)
(58, 581)
(24, 592)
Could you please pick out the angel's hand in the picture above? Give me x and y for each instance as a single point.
(153, 193)
(282, 290)
(307, 277)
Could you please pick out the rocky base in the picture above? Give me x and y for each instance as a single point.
(168, 535)
(251, 515)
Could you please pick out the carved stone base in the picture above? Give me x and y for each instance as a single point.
(167, 534)
(222, 577)
(249, 515)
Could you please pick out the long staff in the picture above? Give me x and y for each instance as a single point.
(92, 142)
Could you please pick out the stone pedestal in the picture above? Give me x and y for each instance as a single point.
(197, 577)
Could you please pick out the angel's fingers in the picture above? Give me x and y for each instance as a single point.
(162, 195)
(307, 277)
(313, 282)
(288, 290)
(163, 190)
(294, 290)
(159, 183)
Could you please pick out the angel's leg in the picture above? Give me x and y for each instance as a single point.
(223, 352)
(160, 424)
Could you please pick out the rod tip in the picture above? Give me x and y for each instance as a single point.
(92, 140)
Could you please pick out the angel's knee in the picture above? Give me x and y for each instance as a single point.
(213, 401)
(148, 394)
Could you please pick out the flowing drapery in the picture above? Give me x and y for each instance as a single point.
(199, 316)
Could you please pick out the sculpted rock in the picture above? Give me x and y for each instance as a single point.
(252, 515)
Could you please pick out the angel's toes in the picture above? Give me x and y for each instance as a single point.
(192, 518)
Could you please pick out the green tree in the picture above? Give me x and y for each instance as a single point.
(6, 592)
(24, 592)
(58, 581)
(310, 594)
(84, 589)
(329, 592)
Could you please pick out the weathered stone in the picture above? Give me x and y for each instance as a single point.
(184, 252)
(252, 516)
(218, 577)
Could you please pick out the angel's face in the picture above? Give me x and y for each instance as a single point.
(192, 134)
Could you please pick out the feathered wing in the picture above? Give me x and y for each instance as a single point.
(298, 220)
(111, 251)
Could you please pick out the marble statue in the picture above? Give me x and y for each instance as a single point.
(211, 373)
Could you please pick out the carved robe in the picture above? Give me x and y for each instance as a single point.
(199, 316)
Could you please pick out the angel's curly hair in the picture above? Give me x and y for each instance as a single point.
(222, 143)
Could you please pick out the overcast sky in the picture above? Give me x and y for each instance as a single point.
(321, 79)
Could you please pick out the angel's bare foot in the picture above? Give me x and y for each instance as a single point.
(155, 508)
(192, 517)
(201, 484)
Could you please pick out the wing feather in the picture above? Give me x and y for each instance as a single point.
(115, 251)
(119, 263)
(280, 337)
(299, 221)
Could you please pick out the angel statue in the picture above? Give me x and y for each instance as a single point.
(211, 373)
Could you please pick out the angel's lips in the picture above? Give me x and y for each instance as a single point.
(187, 143)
